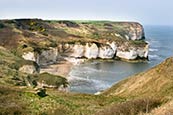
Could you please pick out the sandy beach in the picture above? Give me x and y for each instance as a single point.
(61, 68)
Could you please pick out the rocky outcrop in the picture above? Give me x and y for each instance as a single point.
(78, 51)
(29, 56)
(135, 31)
(91, 51)
(48, 56)
(72, 52)
(88, 50)
(133, 53)
(106, 52)
(30, 69)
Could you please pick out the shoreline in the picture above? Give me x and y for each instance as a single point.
(61, 68)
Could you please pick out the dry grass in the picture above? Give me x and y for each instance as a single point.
(133, 107)
(156, 81)
(10, 103)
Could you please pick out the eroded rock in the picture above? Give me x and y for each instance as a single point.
(30, 69)
(91, 51)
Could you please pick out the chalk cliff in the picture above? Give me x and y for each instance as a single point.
(46, 42)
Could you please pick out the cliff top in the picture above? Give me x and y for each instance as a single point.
(47, 33)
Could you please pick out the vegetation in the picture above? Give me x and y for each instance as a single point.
(133, 107)
(156, 81)
(10, 102)
(136, 95)
(52, 80)
(1, 25)
(25, 101)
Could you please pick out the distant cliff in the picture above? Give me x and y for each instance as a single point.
(46, 41)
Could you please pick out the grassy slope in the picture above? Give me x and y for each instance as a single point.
(26, 101)
(158, 81)
(155, 84)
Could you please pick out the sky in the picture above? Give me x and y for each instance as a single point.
(148, 12)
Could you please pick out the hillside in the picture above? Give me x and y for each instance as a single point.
(155, 83)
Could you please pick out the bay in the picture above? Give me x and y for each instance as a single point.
(96, 76)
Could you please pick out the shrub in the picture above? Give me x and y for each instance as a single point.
(1, 25)
(41, 92)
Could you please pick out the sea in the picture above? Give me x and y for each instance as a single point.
(96, 76)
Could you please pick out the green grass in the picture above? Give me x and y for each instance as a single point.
(55, 103)
(71, 104)
(52, 80)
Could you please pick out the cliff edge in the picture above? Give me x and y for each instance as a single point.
(45, 41)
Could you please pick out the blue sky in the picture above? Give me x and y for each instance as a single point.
(148, 12)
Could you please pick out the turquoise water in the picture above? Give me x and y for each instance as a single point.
(92, 77)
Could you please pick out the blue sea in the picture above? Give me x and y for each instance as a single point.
(95, 76)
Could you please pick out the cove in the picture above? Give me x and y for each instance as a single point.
(96, 76)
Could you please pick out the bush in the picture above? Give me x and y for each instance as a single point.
(41, 92)
(1, 25)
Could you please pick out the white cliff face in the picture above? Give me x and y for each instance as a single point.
(78, 51)
(143, 52)
(29, 56)
(113, 46)
(30, 69)
(88, 50)
(74, 53)
(133, 53)
(91, 51)
(48, 56)
(129, 55)
(106, 52)
(135, 32)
